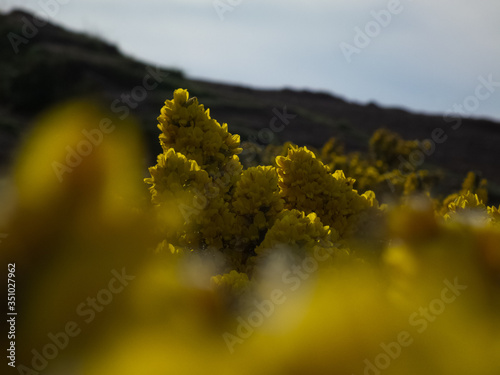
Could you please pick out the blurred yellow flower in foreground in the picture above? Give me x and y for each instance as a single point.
(109, 280)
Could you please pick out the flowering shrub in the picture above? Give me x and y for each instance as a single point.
(280, 268)
(299, 202)
(299, 232)
(257, 202)
(188, 128)
(237, 218)
(389, 147)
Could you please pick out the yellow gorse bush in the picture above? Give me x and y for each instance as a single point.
(231, 210)
(301, 201)
(282, 268)
(308, 185)
(256, 202)
(188, 128)
(299, 234)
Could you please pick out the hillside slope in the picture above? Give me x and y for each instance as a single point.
(57, 64)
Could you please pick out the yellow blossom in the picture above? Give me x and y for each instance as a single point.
(307, 184)
(188, 128)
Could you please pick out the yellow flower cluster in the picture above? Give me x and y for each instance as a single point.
(298, 233)
(188, 128)
(205, 199)
(370, 171)
(173, 176)
(471, 184)
(307, 185)
(468, 201)
(470, 206)
(494, 213)
(332, 148)
(203, 206)
(193, 176)
(389, 147)
(377, 171)
(476, 185)
(174, 182)
(256, 201)
(367, 176)
(232, 283)
(166, 248)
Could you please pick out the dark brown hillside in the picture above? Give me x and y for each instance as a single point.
(57, 64)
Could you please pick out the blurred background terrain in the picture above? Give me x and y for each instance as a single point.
(58, 64)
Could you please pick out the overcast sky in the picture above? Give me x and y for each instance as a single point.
(424, 55)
